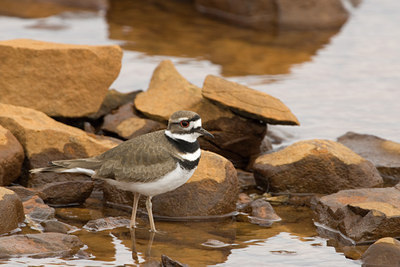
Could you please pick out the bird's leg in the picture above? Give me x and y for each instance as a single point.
(136, 197)
(150, 212)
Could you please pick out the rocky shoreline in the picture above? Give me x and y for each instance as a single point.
(62, 108)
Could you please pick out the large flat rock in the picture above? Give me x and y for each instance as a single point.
(363, 215)
(314, 166)
(248, 102)
(39, 245)
(58, 79)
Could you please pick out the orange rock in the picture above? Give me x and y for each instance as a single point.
(11, 157)
(11, 210)
(315, 166)
(58, 79)
(247, 102)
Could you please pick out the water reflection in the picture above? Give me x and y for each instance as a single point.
(176, 29)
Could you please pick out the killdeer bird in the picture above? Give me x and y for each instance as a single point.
(148, 165)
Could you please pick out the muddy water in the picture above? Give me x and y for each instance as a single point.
(334, 81)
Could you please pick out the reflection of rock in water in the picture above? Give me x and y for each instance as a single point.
(46, 8)
(175, 29)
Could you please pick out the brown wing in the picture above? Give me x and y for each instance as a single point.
(141, 159)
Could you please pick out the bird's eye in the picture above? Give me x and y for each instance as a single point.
(184, 124)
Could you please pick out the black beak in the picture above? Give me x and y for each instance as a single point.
(205, 132)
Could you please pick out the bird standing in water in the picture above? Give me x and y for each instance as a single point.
(148, 165)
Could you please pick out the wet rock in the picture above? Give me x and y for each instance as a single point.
(37, 211)
(284, 14)
(45, 139)
(57, 227)
(168, 262)
(85, 73)
(363, 215)
(39, 245)
(106, 223)
(113, 100)
(247, 102)
(262, 213)
(384, 154)
(243, 202)
(314, 166)
(236, 138)
(384, 252)
(211, 191)
(11, 210)
(126, 124)
(67, 192)
(11, 157)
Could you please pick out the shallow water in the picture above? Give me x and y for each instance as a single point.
(334, 82)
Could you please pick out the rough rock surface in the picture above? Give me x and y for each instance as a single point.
(236, 138)
(247, 102)
(384, 252)
(11, 157)
(314, 166)
(384, 154)
(11, 210)
(45, 139)
(125, 123)
(211, 191)
(364, 215)
(58, 79)
(39, 245)
(286, 14)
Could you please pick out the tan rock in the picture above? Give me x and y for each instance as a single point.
(315, 166)
(384, 252)
(45, 139)
(384, 154)
(67, 192)
(58, 79)
(236, 138)
(11, 157)
(11, 210)
(211, 191)
(262, 213)
(39, 245)
(247, 102)
(363, 215)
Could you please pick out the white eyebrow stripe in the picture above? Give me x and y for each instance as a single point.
(191, 156)
(196, 123)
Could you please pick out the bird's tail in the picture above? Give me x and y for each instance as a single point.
(86, 166)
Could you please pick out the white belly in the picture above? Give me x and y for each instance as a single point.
(168, 182)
